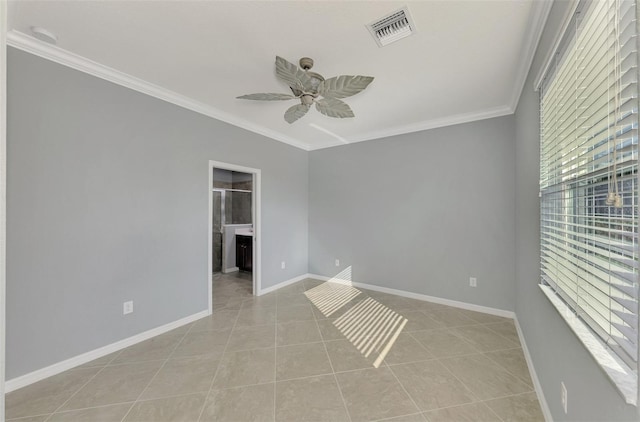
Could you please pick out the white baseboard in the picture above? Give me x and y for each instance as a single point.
(40, 374)
(283, 284)
(418, 296)
(462, 305)
(56, 368)
(534, 377)
(231, 270)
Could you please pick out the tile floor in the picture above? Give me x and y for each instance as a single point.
(277, 357)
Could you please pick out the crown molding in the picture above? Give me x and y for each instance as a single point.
(58, 55)
(537, 20)
(557, 39)
(425, 125)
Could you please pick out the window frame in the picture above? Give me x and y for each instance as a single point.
(620, 372)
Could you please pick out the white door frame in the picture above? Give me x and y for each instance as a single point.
(255, 217)
(3, 191)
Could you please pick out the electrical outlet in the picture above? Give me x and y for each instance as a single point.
(127, 307)
(473, 282)
(337, 262)
(283, 265)
(563, 396)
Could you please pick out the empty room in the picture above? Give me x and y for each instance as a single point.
(319, 210)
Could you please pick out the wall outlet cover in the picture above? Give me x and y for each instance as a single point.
(127, 307)
(283, 265)
(473, 282)
(337, 262)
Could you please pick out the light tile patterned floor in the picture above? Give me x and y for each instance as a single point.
(278, 357)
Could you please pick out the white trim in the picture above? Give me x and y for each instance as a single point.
(623, 378)
(462, 305)
(284, 284)
(3, 194)
(231, 270)
(256, 221)
(426, 125)
(534, 376)
(66, 58)
(257, 232)
(56, 368)
(210, 243)
(537, 20)
(556, 44)
(419, 296)
(58, 55)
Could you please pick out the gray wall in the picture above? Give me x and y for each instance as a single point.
(420, 212)
(108, 201)
(556, 352)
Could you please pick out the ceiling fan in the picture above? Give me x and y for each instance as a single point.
(308, 87)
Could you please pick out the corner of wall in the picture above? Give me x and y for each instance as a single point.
(3, 191)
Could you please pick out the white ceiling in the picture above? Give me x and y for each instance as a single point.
(467, 60)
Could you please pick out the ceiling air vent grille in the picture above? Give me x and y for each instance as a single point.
(392, 27)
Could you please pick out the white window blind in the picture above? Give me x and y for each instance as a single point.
(588, 173)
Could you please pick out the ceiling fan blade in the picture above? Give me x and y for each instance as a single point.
(343, 86)
(334, 108)
(296, 112)
(267, 97)
(293, 76)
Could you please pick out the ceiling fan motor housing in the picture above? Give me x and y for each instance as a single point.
(306, 63)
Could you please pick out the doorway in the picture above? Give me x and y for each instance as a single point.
(234, 229)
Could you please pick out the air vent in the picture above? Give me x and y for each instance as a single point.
(392, 27)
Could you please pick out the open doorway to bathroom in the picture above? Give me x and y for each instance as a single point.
(234, 226)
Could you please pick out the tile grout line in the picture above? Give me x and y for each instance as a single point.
(437, 359)
(100, 369)
(24, 418)
(492, 411)
(423, 347)
(496, 333)
(514, 341)
(289, 379)
(83, 385)
(404, 389)
(156, 374)
(463, 338)
(508, 371)
(507, 396)
(467, 404)
(478, 400)
(477, 352)
(219, 365)
(474, 395)
(335, 377)
(401, 416)
(245, 305)
(108, 364)
(73, 410)
(170, 397)
(76, 392)
(483, 353)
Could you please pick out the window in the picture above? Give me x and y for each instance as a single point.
(589, 175)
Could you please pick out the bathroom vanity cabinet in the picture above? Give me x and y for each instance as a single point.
(244, 252)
